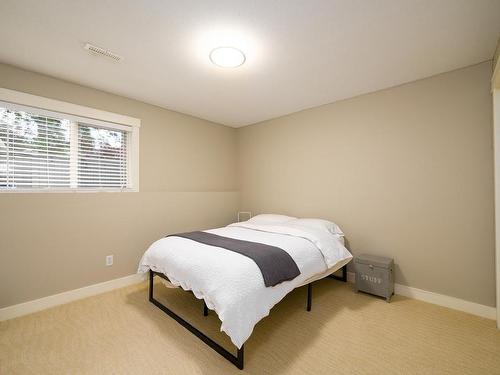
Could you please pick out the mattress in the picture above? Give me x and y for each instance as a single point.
(231, 284)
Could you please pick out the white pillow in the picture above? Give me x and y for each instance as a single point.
(318, 224)
(270, 219)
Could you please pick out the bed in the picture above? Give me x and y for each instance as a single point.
(233, 284)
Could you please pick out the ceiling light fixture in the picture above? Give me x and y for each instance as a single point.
(227, 57)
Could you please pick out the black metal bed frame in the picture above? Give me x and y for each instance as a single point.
(237, 359)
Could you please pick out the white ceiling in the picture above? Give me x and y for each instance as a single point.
(300, 54)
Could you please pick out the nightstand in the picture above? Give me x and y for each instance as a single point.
(375, 275)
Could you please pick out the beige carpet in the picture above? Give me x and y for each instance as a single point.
(345, 333)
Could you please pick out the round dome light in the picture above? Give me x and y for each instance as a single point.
(227, 57)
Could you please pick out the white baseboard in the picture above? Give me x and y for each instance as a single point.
(447, 301)
(440, 299)
(91, 290)
(29, 307)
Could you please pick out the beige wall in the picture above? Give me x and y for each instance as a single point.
(50, 242)
(406, 172)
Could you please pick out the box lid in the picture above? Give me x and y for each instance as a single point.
(375, 260)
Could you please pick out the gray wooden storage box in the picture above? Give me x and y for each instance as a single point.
(375, 275)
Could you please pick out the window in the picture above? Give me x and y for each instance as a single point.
(49, 151)
(102, 157)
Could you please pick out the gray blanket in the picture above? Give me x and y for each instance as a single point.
(275, 264)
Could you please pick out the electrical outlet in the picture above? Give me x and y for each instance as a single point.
(109, 260)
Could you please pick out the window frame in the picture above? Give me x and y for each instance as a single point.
(21, 101)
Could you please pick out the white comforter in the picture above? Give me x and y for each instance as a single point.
(232, 284)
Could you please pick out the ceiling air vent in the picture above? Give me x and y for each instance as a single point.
(102, 52)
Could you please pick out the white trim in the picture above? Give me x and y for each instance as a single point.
(69, 190)
(495, 90)
(66, 116)
(133, 173)
(29, 307)
(446, 301)
(496, 147)
(440, 299)
(495, 77)
(17, 97)
(20, 101)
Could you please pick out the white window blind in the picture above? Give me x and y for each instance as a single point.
(49, 151)
(102, 157)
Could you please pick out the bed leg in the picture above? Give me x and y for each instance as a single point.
(341, 278)
(236, 360)
(205, 309)
(151, 277)
(344, 274)
(309, 296)
(239, 361)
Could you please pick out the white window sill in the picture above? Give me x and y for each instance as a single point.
(45, 191)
